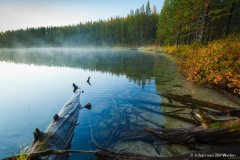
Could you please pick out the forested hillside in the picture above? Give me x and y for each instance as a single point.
(138, 28)
(187, 21)
(180, 22)
(204, 36)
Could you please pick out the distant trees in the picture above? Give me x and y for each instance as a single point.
(184, 21)
(180, 22)
(138, 28)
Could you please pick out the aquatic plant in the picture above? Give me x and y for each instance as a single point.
(22, 155)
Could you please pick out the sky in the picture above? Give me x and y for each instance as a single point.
(22, 14)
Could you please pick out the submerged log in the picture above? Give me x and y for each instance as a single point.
(60, 131)
(188, 100)
(170, 115)
(198, 135)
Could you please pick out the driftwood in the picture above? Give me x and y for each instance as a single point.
(198, 135)
(59, 134)
(205, 112)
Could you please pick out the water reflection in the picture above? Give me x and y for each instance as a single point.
(124, 93)
(35, 83)
(136, 66)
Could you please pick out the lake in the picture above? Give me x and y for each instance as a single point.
(125, 93)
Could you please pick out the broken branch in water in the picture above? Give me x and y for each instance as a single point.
(92, 137)
(178, 110)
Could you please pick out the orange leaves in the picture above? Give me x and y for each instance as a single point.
(216, 64)
(218, 79)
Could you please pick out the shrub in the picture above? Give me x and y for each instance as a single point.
(216, 64)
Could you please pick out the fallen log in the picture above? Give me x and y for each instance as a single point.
(198, 135)
(59, 134)
(232, 112)
(235, 112)
(188, 100)
(192, 107)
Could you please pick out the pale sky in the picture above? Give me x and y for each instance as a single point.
(17, 14)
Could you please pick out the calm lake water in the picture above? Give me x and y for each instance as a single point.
(124, 93)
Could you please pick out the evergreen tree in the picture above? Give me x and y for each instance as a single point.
(184, 21)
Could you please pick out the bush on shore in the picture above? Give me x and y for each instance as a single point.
(216, 64)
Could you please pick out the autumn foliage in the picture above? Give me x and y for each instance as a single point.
(216, 64)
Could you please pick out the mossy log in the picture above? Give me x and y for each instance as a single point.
(59, 134)
(198, 135)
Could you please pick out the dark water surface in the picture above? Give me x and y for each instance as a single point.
(124, 93)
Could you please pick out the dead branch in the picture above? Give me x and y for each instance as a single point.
(170, 115)
(178, 110)
(92, 137)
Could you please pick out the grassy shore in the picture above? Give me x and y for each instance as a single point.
(215, 65)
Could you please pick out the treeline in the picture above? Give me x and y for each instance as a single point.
(138, 28)
(103, 60)
(180, 22)
(188, 21)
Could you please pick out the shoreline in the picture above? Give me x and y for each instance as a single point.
(175, 60)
